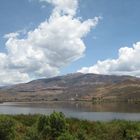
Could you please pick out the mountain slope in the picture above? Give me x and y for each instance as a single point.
(74, 86)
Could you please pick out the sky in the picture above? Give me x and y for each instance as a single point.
(46, 38)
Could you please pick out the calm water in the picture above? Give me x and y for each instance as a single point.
(82, 110)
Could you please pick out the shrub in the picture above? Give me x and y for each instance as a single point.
(81, 135)
(32, 135)
(66, 136)
(52, 126)
(7, 128)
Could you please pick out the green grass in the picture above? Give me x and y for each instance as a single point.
(57, 127)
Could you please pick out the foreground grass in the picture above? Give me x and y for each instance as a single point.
(57, 127)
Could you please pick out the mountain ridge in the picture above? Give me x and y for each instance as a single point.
(76, 86)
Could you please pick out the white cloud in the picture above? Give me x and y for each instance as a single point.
(63, 6)
(127, 63)
(54, 44)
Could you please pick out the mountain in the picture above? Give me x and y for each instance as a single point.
(75, 86)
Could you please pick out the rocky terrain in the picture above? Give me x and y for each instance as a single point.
(75, 86)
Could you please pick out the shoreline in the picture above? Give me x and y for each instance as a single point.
(73, 101)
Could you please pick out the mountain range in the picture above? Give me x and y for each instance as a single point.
(76, 86)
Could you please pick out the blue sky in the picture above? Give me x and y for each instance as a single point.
(119, 27)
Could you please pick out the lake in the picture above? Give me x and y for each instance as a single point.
(81, 110)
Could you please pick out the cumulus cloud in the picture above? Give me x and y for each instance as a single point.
(51, 46)
(127, 63)
(63, 6)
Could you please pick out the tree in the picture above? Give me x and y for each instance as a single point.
(52, 126)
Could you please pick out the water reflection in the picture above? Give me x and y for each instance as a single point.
(82, 106)
(82, 110)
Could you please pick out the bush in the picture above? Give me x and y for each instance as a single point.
(57, 127)
(66, 136)
(52, 126)
(132, 131)
(32, 135)
(27, 120)
(7, 128)
(81, 135)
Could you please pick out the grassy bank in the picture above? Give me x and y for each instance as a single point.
(57, 127)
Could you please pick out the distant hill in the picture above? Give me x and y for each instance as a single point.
(75, 86)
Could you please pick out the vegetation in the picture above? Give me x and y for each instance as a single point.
(57, 127)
